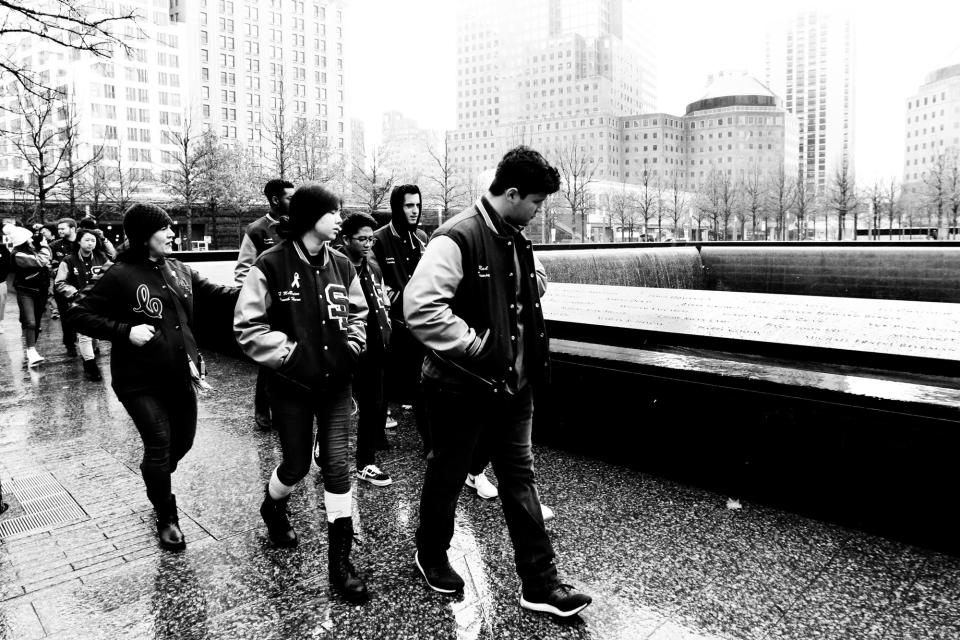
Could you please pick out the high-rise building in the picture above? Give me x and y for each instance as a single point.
(810, 61)
(408, 148)
(121, 105)
(933, 125)
(265, 67)
(547, 65)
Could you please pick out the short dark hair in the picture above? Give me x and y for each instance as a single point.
(67, 221)
(527, 171)
(93, 232)
(275, 187)
(356, 221)
(49, 226)
(309, 203)
(397, 195)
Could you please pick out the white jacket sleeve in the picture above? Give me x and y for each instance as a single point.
(251, 327)
(245, 259)
(427, 297)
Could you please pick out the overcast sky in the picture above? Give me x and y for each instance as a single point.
(403, 56)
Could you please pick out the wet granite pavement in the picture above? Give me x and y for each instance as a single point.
(662, 560)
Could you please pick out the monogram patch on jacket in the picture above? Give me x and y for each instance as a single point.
(338, 304)
(147, 305)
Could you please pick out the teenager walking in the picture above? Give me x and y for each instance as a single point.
(301, 314)
(30, 262)
(75, 272)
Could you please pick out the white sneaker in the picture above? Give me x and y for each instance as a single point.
(484, 488)
(547, 512)
(390, 423)
(33, 357)
(372, 474)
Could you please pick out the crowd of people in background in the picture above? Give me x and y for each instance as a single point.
(341, 316)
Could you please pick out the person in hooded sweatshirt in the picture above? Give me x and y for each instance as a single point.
(397, 251)
(302, 315)
(144, 305)
(30, 262)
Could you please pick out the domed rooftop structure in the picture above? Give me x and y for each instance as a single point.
(734, 89)
(948, 69)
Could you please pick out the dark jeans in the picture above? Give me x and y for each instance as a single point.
(371, 405)
(261, 399)
(404, 361)
(32, 306)
(167, 421)
(458, 419)
(69, 335)
(294, 410)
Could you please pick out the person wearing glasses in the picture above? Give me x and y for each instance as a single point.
(356, 242)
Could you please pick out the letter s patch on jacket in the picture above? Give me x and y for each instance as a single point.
(338, 304)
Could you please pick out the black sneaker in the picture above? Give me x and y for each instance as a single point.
(441, 578)
(372, 474)
(262, 420)
(559, 599)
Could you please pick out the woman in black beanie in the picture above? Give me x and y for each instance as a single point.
(302, 315)
(144, 304)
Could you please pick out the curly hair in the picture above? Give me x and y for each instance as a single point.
(527, 171)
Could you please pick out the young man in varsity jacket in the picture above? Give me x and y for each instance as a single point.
(302, 315)
(356, 242)
(399, 246)
(474, 302)
(260, 235)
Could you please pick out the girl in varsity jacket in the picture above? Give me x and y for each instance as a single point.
(302, 314)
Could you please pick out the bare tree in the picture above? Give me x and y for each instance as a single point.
(70, 24)
(678, 202)
(623, 210)
(185, 180)
(229, 180)
(307, 155)
(372, 183)
(577, 169)
(953, 193)
(875, 195)
(75, 168)
(645, 202)
(781, 196)
(47, 140)
(842, 198)
(448, 190)
(804, 203)
(892, 197)
(709, 202)
(124, 182)
(279, 131)
(95, 184)
(729, 198)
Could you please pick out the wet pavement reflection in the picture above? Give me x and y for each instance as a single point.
(662, 560)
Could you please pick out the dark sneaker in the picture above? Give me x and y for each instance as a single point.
(441, 578)
(372, 474)
(559, 599)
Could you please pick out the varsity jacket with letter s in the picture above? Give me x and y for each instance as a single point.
(303, 320)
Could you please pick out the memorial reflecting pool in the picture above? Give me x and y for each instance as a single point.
(662, 560)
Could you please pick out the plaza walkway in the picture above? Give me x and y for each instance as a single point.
(79, 558)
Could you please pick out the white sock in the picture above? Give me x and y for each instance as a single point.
(338, 505)
(277, 489)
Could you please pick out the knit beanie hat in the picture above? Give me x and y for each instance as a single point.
(142, 220)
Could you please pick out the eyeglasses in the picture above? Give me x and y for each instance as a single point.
(368, 240)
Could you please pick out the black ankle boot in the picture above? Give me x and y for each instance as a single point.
(168, 525)
(274, 514)
(342, 574)
(92, 371)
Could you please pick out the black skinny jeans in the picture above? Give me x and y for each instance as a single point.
(294, 410)
(371, 406)
(167, 421)
(32, 306)
(459, 418)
